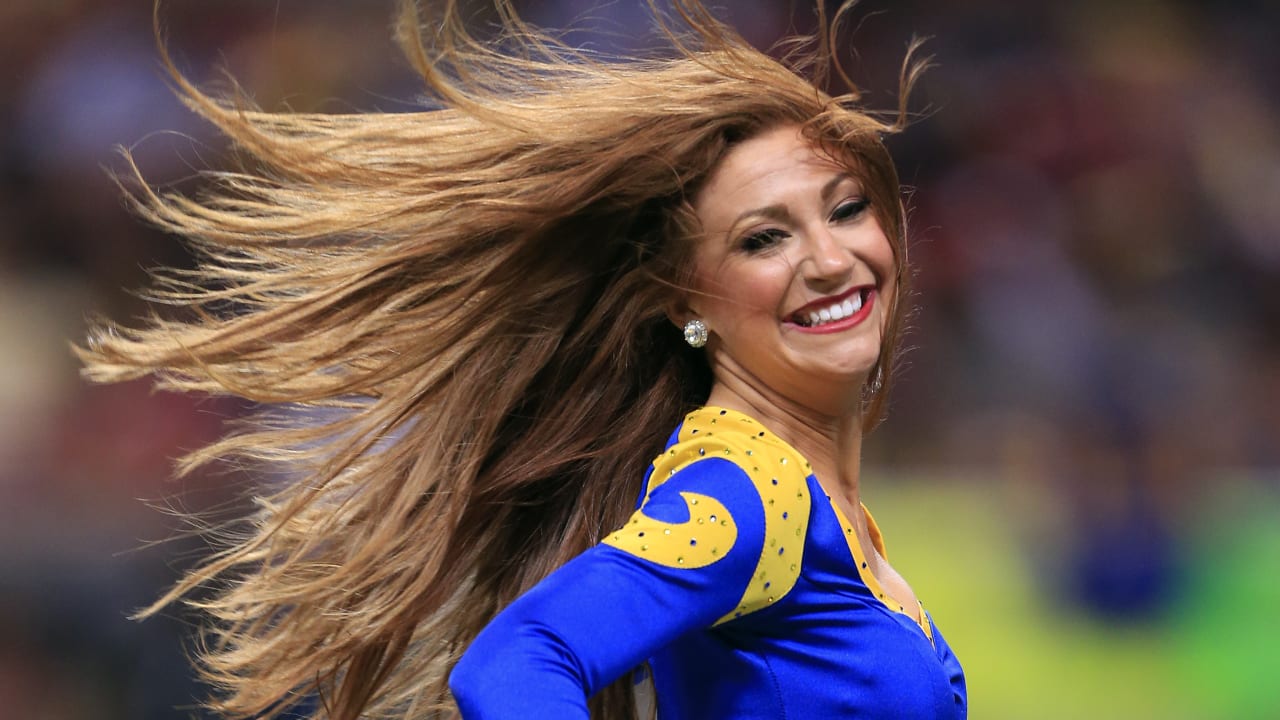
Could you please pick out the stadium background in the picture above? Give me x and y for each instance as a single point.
(1081, 471)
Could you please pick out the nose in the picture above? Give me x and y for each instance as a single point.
(827, 262)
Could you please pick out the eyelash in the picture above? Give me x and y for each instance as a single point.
(762, 240)
(848, 210)
(855, 208)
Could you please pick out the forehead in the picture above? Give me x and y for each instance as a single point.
(762, 170)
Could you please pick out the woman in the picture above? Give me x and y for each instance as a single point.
(512, 301)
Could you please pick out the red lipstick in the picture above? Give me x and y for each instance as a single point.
(801, 320)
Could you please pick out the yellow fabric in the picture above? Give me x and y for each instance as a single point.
(778, 473)
(869, 578)
(704, 538)
(877, 540)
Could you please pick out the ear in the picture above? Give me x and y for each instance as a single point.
(678, 311)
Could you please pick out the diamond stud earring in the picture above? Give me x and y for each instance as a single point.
(695, 333)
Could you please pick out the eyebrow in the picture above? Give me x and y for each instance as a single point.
(779, 212)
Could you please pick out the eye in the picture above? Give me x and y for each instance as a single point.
(763, 240)
(849, 209)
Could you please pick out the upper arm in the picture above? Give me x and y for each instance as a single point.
(683, 561)
(697, 528)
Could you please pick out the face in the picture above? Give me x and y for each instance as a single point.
(793, 275)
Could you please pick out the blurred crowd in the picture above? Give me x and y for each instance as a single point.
(1095, 347)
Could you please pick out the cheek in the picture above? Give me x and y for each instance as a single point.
(888, 299)
(879, 250)
(879, 255)
(753, 286)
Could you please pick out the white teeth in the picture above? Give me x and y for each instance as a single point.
(838, 311)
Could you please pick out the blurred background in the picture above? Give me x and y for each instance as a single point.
(1081, 470)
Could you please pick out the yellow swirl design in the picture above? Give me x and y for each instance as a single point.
(707, 536)
(778, 473)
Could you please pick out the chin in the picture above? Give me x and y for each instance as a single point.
(849, 370)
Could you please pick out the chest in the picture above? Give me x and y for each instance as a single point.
(832, 647)
(824, 651)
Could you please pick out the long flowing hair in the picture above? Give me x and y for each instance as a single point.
(453, 321)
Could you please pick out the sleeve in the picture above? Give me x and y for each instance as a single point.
(682, 562)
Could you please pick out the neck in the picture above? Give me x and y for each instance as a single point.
(832, 443)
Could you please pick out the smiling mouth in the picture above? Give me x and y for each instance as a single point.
(834, 311)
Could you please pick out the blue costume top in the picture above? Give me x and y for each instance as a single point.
(742, 585)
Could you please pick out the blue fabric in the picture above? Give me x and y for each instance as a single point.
(828, 648)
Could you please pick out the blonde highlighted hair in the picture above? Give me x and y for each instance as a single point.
(477, 291)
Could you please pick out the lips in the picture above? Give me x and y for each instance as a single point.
(835, 312)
